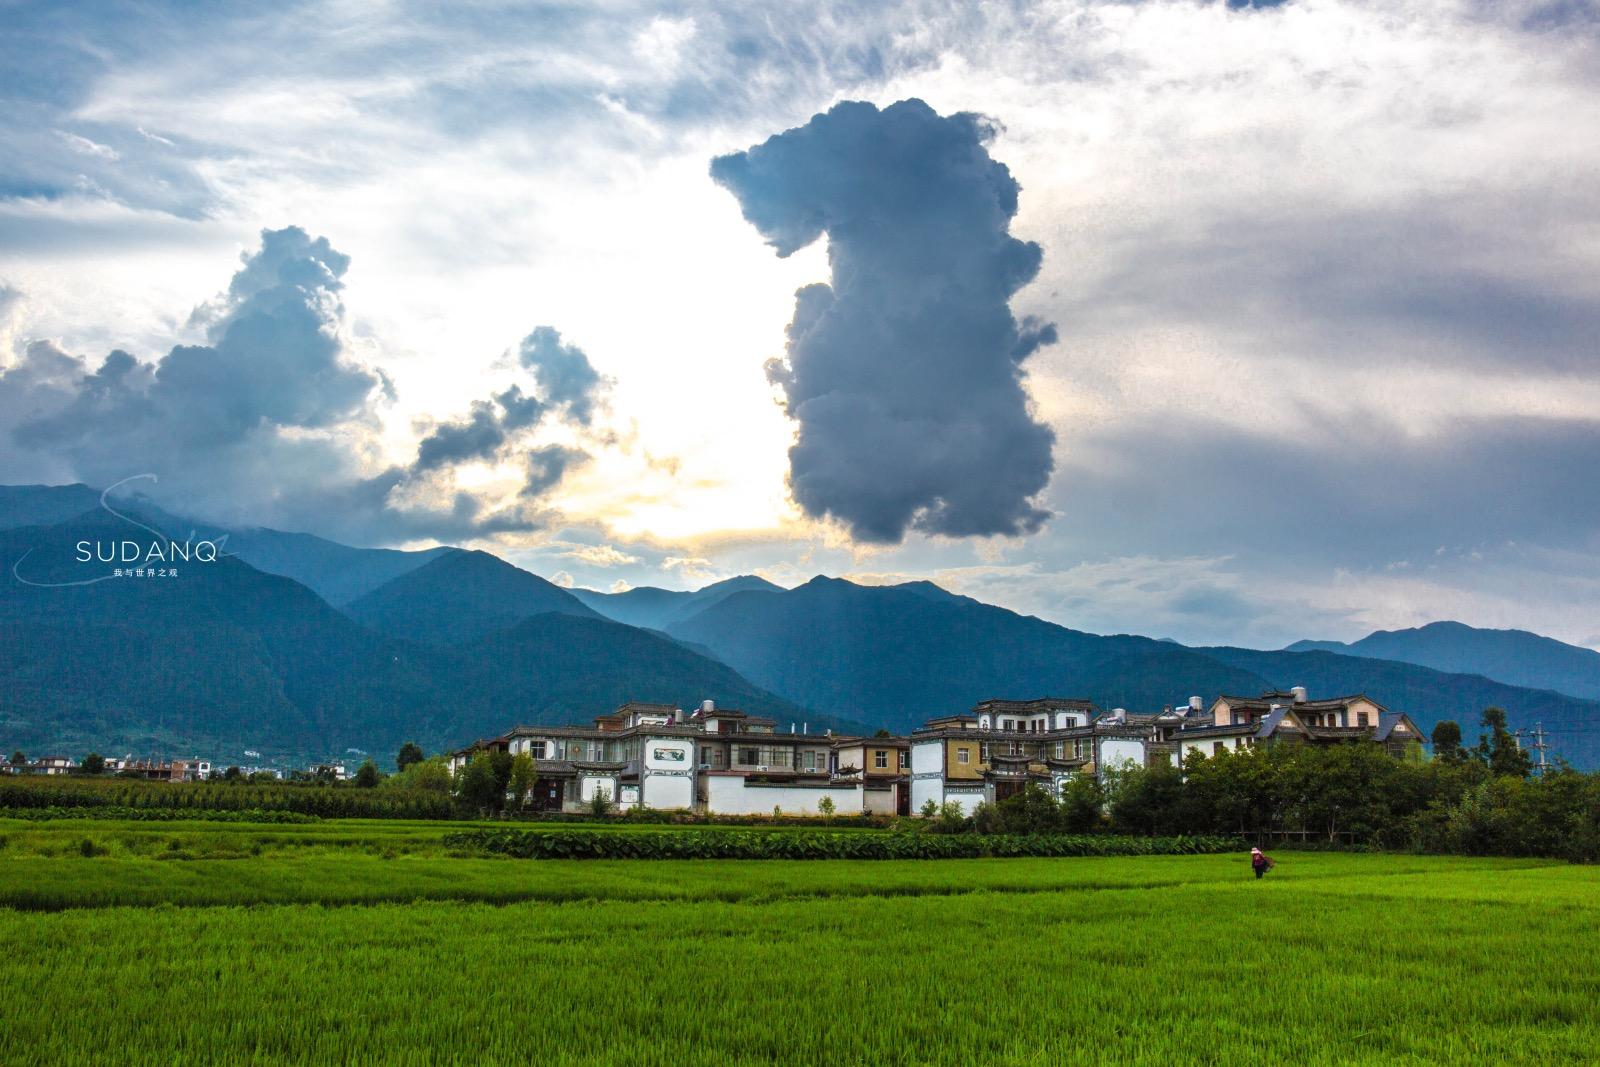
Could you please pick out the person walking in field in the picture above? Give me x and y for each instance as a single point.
(1260, 862)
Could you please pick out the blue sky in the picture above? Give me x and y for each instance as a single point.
(1307, 347)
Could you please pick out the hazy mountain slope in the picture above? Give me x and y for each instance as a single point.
(1428, 695)
(338, 573)
(460, 596)
(44, 505)
(556, 668)
(657, 609)
(219, 658)
(900, 656)
(1515, 657)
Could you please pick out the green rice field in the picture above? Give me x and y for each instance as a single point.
(371, 942)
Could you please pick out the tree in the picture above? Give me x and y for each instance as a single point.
(17, 758)
(367, 777)
(929, 809)
(882, 733)
(1446, 739)
(825, 806)
(232, 774)
(1149, 800)
(1082, 804)
(1030, 810)
(1499, 749)
(477, 788)
(500, 763)
(522, 778)
(432, 774)
(600, 802)
(410, 753)
(94, 763)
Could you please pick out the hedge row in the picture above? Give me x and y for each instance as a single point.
(256, 815)
(29, 791)
(699, 845)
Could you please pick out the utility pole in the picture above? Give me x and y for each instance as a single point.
(1539, 746)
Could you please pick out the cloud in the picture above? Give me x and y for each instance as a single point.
(563, 372)
(266, 392)
(904, 374)
(594, 555)
(275, 419)
(690, 568)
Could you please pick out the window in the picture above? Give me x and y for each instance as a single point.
(983, 752)
(1361, 718)
(1061, 750)
(713, 757)
(1218, 747)
(880, 759)
(963, 755)
(902, 761)
(747, 756)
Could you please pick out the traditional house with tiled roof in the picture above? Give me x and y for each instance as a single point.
(715, 760)
(1291, 716)
(998, 748)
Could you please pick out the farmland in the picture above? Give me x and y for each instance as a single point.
(375, 942)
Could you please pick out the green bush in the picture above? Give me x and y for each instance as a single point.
(127, 793)
(822, 845)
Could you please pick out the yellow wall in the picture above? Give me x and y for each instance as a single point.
(953, 768)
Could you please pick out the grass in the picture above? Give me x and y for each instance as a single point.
(1333, 958)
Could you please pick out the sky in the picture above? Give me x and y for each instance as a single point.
(1222, 322)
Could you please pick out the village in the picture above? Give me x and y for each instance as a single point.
(721, 761)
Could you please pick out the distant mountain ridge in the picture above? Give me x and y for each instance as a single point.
(461, 596)
(1515, 657)
(657, 609)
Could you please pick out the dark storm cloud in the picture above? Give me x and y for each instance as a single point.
(272, 420)
(275, 364)
(563, 372)
(546, 467)
(904, 373)
(570, 389)
(476, 437)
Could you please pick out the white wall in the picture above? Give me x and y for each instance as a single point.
(927, 757)
(1203, 746)
(878, 801)
(668, 791)
(588, 784)
(967, 802)
(1115, 751)
(728, 795)
(924, 790)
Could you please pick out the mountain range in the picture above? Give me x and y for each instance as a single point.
(301, 647)
(1515, 657)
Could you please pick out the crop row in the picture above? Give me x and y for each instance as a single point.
(692, 844)
(245, 815)
(124, 794)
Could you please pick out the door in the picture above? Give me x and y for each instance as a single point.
(547, 796)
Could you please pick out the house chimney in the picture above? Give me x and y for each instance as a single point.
(1299, 692)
